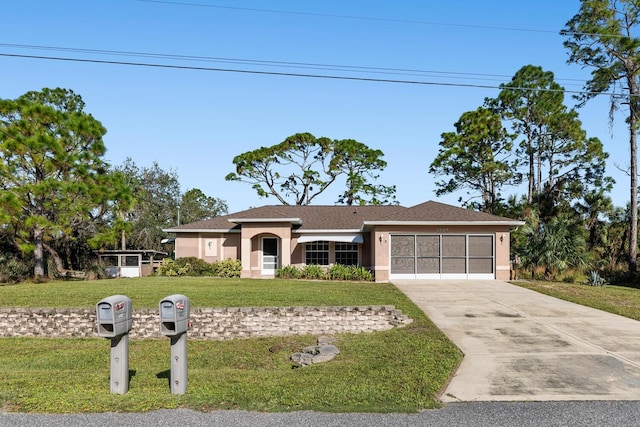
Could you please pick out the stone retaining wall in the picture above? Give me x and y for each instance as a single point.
(208, 323)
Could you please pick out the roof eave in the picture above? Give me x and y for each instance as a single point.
(441, 223)
(200, 230)
(258, 220)
(329, 231)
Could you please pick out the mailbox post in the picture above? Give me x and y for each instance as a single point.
(174, 322)
(114, 315)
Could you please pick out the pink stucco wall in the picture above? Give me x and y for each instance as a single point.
(374, 252)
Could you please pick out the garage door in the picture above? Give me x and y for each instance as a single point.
(442, 256)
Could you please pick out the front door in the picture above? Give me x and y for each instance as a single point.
(269, 256)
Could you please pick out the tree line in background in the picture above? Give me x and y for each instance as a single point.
(59, 200)
(527, 135)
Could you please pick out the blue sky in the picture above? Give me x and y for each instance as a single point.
(194, 122)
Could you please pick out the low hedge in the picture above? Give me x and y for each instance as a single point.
(334, 272)
(192, 266)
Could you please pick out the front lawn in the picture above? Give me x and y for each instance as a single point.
(402, 370)
(613, 299)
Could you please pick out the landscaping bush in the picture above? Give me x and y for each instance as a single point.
(313, 272)
(362, 274)
(339, 272)
(96, 270)
(196, 266)
(192, 266)
(228, 268)
(14, 269)
(317, 272)
(289, 272)
(171, 268)
(594, 279)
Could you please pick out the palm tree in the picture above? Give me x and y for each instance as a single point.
(555, 245)
(596, 208)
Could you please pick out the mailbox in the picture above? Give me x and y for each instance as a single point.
(114, 316)
(174, 315)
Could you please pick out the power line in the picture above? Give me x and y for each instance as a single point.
(333, 67)
(283, 64)
(234, 70)
(316, 76)
(563, 32)
(352, 17)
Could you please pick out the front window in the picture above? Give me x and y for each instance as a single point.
(317, 253)
(130, 261)
(346, 253)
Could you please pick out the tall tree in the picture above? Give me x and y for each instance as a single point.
(52, 174)
(361, 165)
(528, 100)
(476, 157)
(575, 164)
(601, 36)
(562, 163)
(111, 218)
(303, 166)
(197, 206)
(157, 203)
(596, 209)
(154, 206)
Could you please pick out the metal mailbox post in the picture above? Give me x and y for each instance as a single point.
(174, 322)
(114, 316)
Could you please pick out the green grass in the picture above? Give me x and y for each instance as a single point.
(401, 370)
(613, 299)
(203, 292)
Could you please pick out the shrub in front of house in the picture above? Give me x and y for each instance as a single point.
(171, 268)
(227, 268)
(289, 272)
(317, 272)
(339, 272)
(192, 266)
(198, 267)
(313, 272)
(362, 274)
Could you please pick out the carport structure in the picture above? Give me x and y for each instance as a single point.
(130, 263)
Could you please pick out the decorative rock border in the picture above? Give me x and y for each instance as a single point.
(209, 323)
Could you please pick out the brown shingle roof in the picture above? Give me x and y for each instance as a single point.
(435, 211)
(342, 217)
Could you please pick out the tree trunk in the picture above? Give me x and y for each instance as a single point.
(633, 225)
(539, 170)
(38, 252)
(123, 237)
(56, 259)
(532, 175)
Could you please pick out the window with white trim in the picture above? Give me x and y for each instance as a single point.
(317, 253)
(346, 253)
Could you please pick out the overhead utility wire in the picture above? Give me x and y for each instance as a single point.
(239, 60)
(274, 73)
(372, 18)
(329, 67)
(329, 15)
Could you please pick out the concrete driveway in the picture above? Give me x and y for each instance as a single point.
(522, 345)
